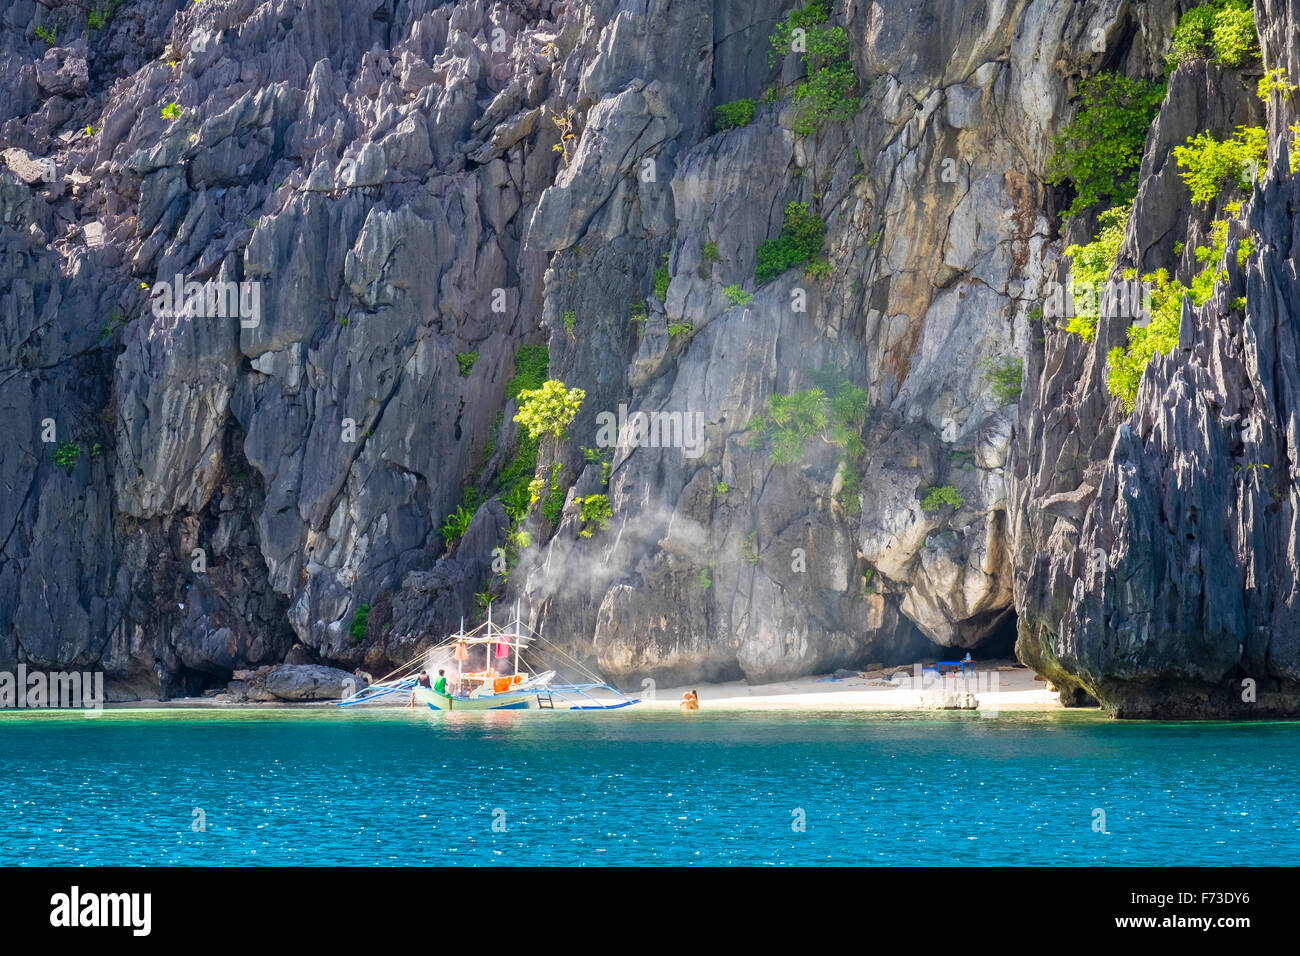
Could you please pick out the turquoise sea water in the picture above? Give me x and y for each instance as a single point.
(329, 787)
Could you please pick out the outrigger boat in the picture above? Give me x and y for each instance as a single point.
(503, 682)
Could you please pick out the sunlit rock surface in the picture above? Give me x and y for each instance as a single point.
(388, 179)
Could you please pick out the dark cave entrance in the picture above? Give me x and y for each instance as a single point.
(1000, 641)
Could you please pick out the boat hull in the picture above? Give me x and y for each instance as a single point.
(512, 700)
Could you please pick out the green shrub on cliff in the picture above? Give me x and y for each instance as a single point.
(358, 628)
(829, 89)
(791, 421)
(733, 115)
(800, 241)
(549, 409)
(1004, 375)
(553, 506)
(1224, 29)
(455, 526)
(735, 295)
(532, 363)
(1124, 366)
(1235, 39)
(1208, 165)
(1275, 81)
(1100, 150)
(937, 497)
(596, 512)
(66, 454)
(1091, 266)
(662, 279)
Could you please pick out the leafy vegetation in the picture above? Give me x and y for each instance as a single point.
(733, 115)
(802, 236)
(1208, 164)
(116, 319)
(679, 328)
(735, 295)
(936, 497)
(661, 280)
(829, 89)
(1091, 266)
(792, 421)
(1004, 377)
(553, 506)
(66, 454)
(466, 362)
(850, 495)
(1275, 81)
(48, 34)
(570, 320)
(172, 112)
(549, 409)
(1223, 29)
(818, 269)
(1124, 366)
(1235, 39)
(710, 253)
(1100, 150)
(1244, 250)
(593, 456)
(532, 363)
(595, 511)
(456, 525)
(358, 628)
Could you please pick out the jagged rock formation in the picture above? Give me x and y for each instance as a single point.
(388, 181)
(1164, 582)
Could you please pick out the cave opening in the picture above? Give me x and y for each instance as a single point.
(1000, 641)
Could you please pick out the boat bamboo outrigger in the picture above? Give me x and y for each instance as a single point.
(504, 681)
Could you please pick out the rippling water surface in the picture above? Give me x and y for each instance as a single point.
(395, 787)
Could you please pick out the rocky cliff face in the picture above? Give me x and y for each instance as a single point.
(391, 189)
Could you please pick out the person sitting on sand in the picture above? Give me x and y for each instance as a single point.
(690, 701)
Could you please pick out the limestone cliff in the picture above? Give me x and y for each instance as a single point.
(414, 195)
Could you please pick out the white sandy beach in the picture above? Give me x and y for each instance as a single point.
(1005, 688)
(997, 685)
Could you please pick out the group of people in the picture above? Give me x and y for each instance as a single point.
(690, 699)
(438, 687)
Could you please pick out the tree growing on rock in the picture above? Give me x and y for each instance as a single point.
(549, 409)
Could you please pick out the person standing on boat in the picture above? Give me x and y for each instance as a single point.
(440, 685)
